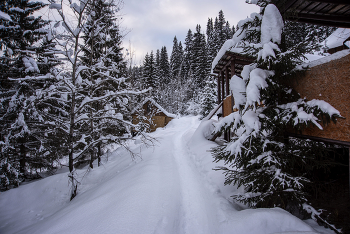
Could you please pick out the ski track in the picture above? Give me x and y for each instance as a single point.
(196, 217)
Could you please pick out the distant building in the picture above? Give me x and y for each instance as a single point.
(152, 114)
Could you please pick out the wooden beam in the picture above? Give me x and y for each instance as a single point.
(219, 90)
(213, 112)
(285, 5)
(233, 67)
(321, 22)
(227, 82)
(332, 18)
(222, 85)
(343, 2)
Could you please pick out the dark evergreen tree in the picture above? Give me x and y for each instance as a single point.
(149, 71)
(211, 46)
(228, 33)
(220, 28)
(187, 57)
(216, 35)
(21, 83)
(175, 59)
(199, 63)
(164, 66)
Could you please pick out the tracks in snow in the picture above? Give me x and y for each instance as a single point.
(195, 208)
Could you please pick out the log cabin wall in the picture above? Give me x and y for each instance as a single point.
(329, 82)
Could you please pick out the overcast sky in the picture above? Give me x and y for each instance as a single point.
(154, 23)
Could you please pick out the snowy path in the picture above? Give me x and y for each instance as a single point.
(172, 190)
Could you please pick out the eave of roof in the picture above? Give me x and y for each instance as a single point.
(240, 61)
(334, 13)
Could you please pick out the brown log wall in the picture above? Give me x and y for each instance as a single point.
(329, 82)
(227, 106)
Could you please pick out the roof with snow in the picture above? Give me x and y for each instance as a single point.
(337, 38)
(323, 60)
(334, 13)
(224, 60)
(156, 105)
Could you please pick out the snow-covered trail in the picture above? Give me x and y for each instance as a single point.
(171, 190)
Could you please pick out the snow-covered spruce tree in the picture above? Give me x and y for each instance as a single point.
(23, 144)
(74, 102)
(102, 56)
(273, 169)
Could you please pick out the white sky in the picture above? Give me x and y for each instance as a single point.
(154, 23)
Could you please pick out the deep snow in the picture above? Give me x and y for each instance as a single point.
(171, 188)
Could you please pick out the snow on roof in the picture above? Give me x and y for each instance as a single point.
(326, 59)
(337, 38)
(159, 107)
(232, 45)
(229, 45)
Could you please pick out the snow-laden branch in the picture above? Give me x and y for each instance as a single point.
(88, 100)
(43, 77)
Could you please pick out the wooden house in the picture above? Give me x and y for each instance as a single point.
(153, 115)
(327, 79)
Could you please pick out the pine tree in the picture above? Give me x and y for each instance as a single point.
(23, 145)
(228, 33)
(220, 28)
(164, 66)
(149, 71)
(211, 47)
(199, 63)
(175, 59)
(187, 57)
(274, 170)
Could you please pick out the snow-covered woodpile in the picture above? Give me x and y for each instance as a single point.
(328, 79)
(152, 114)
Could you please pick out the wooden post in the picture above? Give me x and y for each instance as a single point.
(233, 65)
(219, 90)
(222, 76)
(227, 82)
(223, 84)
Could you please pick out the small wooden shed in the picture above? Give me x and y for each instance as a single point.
(155, 115)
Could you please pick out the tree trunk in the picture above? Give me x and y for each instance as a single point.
(99, 154)
(22, 161)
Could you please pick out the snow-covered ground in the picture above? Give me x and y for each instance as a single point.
(170, 189)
